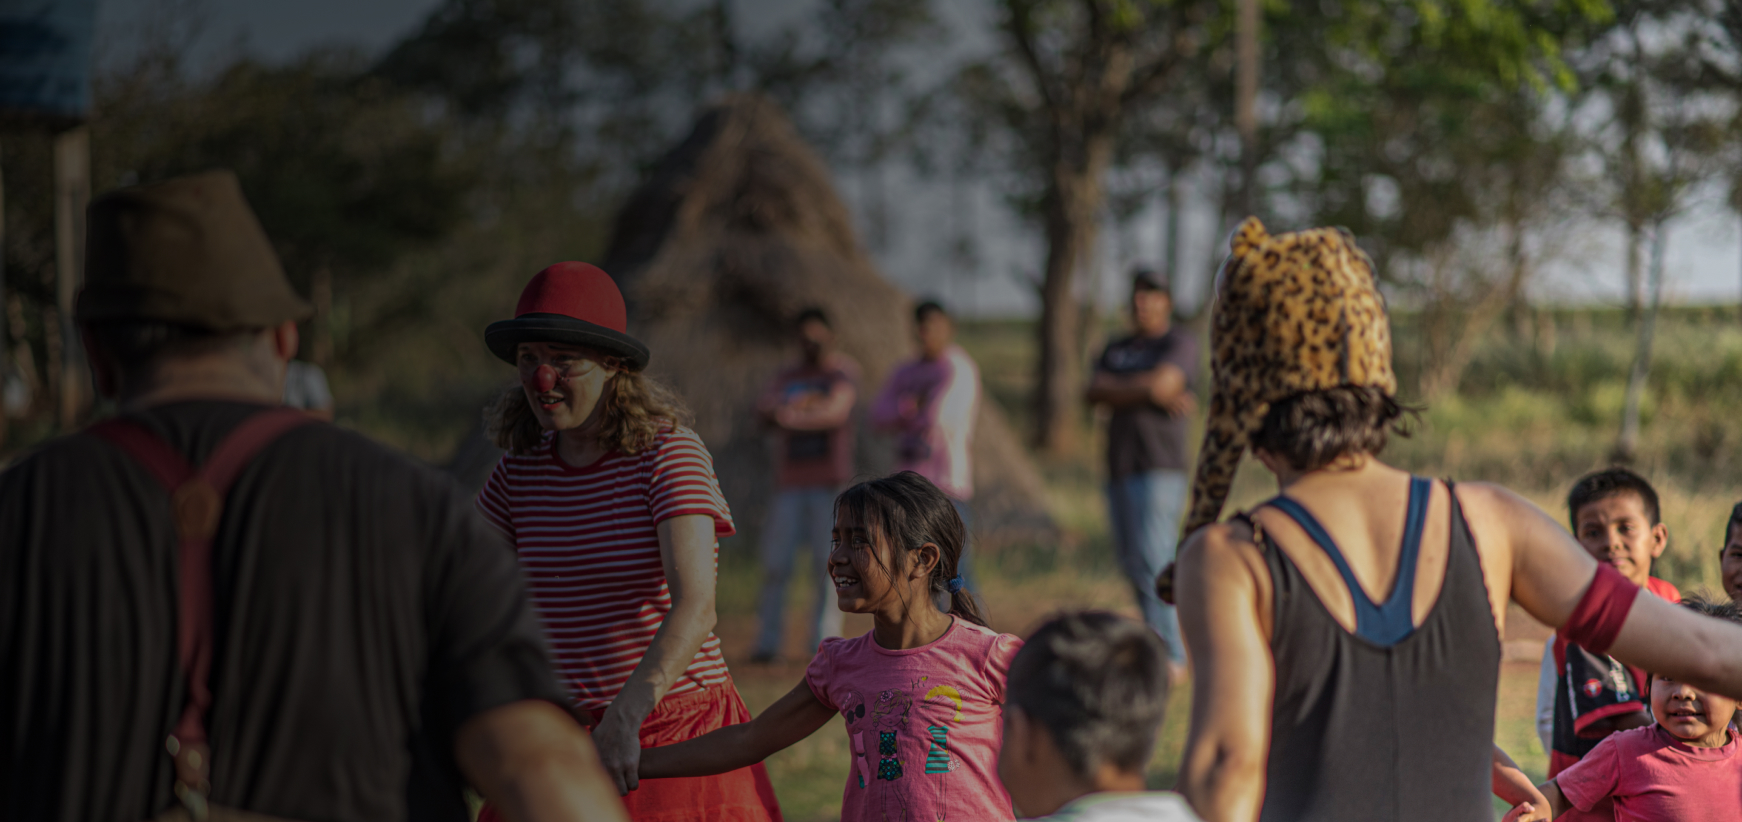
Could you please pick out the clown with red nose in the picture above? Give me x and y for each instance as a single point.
(613, 505)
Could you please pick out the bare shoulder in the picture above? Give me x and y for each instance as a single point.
(1496, 508)
(1225, 553)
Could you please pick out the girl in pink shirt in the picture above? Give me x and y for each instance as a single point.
(922, 694)
(1683, 768)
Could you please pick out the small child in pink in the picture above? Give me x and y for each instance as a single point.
(923, 724)
(922, 694)
(1682, 768)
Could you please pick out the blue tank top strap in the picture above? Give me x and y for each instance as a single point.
(1388, 624)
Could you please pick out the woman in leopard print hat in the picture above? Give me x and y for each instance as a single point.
(1345, 635)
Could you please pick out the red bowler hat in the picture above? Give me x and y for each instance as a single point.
(573, 303)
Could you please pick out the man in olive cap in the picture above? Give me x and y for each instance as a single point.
(212, 604)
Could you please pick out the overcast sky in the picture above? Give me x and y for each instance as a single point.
(1704, 260)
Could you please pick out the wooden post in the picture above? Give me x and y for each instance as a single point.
(72, 191)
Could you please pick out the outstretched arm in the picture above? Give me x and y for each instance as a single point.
(1222, 597)
(796, 716)
(1511, 784)
(1550, 573)
(534, 763)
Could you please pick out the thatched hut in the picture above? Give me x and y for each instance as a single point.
(736, 230)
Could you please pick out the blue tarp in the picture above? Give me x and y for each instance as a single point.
(45, 57)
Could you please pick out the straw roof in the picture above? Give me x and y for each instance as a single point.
(736, 230)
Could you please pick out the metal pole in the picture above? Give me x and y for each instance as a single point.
(72, 188)
(1246, 102)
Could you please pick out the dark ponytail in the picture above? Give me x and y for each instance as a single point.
(906, 511)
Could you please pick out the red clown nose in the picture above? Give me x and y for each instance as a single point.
(546, 377)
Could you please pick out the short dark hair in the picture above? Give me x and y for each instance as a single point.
(1313, 429)
(1097, 682)
(1144, 278)
(812, 312)
(137, 344)
(928, 308)
(1609, 482)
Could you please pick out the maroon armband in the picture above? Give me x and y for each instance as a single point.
(1597, 620)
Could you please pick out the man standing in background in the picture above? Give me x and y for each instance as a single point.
(810, 406)
(930, 404)
(1145, 380)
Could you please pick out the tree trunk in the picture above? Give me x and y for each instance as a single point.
(1627, 445)
(1073, 198)
(1246, 103)
(1170, 230)
(1633, 232)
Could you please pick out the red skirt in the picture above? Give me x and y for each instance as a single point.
(744, 795)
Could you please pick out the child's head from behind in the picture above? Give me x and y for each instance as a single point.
(1083, 704)
(1730, 556)
(1614, 514)
(1689, 714)
(898, 539)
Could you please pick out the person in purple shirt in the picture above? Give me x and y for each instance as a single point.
(930, 404)
(1145, 381)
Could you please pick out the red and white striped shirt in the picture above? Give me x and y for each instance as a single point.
(588, 544)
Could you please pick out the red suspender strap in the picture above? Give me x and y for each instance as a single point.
(1597, 620)
(197, 503)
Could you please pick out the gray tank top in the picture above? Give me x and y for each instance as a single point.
(1390, 727)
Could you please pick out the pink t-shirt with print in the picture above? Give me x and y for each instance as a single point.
(923, 725)
(1653, 776)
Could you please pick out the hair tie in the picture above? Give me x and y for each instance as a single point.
(956, 584)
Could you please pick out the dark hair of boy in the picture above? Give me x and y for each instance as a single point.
(906, 511)
(1144, 278)
(1608, 483)
(810, 313)
(1313, 429)
(1098, 683)
(928, 308)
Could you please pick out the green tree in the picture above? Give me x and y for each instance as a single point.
(1069, 75)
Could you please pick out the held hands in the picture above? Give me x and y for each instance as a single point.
(1527, 812)
(619, 742)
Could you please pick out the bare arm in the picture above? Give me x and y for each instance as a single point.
(534, 763)
(796, 716)
(893, 410)
(1511, 784)
(1233, 676)
(1550, 573)
(686, 551)
(1164, 386)
(827, 412)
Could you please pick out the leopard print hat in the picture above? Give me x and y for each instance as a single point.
(1294, 312)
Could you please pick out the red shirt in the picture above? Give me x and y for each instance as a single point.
(588, 544)
(812, 410)
(1590, 687)
(1653, 776)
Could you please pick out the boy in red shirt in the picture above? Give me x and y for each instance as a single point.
(1614, 514)
(1684, 767)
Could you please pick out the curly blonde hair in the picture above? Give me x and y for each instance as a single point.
(635, 408)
